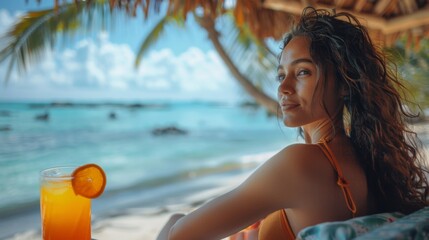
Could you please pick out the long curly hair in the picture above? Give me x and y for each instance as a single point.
(374, 111)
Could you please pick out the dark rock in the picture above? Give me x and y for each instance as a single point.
(4, 113)
(5, 128)
(172, 130)
(112, 115)
(42, 117)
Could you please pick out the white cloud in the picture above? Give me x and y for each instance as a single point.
(99, 65)
(7, 19)
(192, 71)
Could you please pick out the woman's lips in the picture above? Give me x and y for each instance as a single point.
(289, 106)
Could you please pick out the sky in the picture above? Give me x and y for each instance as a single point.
(183, 65)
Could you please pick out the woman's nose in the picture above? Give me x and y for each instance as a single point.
(286, 87)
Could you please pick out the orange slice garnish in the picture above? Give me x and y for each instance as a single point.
(89, 180)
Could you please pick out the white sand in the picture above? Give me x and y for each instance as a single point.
(145, 223)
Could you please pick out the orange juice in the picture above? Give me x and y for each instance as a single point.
(65, 215)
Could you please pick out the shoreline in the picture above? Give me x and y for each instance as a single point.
(141, 216)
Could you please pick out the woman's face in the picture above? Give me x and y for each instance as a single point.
(300, 95)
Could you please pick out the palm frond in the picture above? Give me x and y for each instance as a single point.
(26, 41)
(250, 54)
(153, 36)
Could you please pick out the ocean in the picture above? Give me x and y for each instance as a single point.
(146, 149)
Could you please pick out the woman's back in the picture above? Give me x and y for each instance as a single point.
(324, 199)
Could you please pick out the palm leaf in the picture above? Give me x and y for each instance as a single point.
(252, 56)
(153, 36)
(26, 41)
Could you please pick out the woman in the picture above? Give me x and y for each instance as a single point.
(358, 158)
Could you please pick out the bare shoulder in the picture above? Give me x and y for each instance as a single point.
(308, 164)
(295, 169)
(300, 158)
(299, 150)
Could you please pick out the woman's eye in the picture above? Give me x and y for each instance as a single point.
(280, 77)
(303, 72)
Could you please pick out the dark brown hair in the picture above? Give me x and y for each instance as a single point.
(388, 150)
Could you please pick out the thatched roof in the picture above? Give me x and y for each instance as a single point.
(387, 20)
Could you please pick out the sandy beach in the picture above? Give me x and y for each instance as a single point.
(143, 221)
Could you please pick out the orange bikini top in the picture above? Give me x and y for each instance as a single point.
(276, 225)
(341, 182)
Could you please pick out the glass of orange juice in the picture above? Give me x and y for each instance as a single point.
(65, 214)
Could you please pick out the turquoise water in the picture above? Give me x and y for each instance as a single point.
(219, 137)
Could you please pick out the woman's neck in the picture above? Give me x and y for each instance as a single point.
(322, 130)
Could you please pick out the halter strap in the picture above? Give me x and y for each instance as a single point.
(341, 182)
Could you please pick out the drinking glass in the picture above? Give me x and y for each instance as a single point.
(64, 215)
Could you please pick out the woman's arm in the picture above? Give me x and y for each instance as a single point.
(262, 193)
(218, 218)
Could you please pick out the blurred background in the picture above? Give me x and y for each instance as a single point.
(161, 93)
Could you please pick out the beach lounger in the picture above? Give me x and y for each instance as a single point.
(383, 226)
